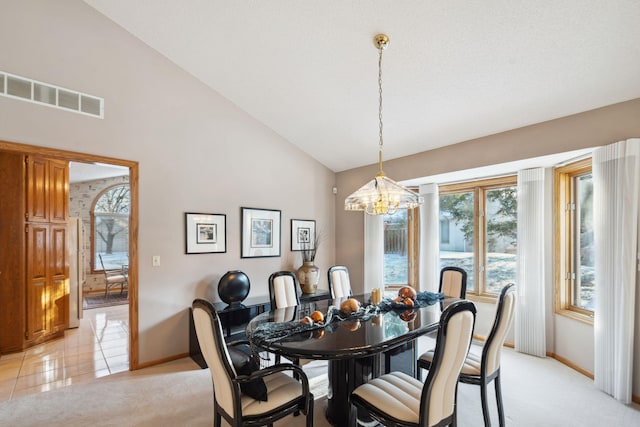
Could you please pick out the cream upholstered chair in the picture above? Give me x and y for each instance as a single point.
(283, 289)
(453, 282)
(285, 395)
(113, 278)
(483, 369)
(283, 293)
(397, 399)
(339, 283)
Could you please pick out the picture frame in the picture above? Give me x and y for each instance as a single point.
(303, 234)
(260, 233)
(205, 233)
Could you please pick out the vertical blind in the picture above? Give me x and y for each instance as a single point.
(616, 177)
(529, 326)
(429, 238)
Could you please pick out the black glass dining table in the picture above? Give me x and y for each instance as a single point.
(354, 344)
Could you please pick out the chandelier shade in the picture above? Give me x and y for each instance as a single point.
(381, 195)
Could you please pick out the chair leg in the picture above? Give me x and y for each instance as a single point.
(310, 414)
(485, 406)
(499, 401)
(353, 416)
(217, 419)
(296, 362)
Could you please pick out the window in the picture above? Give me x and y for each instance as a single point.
(482, 232)
(110, 226)
(400, 248)
(574, 240)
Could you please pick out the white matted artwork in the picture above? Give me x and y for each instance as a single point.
(205, 233)
(260, 233)
(303, 234)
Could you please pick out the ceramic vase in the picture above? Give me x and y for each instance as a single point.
(234, 287)
(308, 277)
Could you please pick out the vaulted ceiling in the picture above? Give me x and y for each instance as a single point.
(454, 70)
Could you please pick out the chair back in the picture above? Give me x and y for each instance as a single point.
(438, 398)
(286, 314)
(505, 309)
(339, 283)
(214, 350)
(453, 282)
(283, 289)
(101, 262)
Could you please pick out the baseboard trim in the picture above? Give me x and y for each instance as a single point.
(570, 364)
(160, 361)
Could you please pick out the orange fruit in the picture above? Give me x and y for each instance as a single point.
(407, 292)
(317, 316)
(350, 305)
(307, 320)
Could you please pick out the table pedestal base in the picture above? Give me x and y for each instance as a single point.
(344, 376)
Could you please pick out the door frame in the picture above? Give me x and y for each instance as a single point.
(73, 156)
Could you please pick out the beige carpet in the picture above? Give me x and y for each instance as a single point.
(537, 392)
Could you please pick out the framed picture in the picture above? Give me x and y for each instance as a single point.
(260, 233)
(205, 233)
(303, 234)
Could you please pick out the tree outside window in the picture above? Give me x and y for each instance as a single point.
(482, 232)
(111, 228)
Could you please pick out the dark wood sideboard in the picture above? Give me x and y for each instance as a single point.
(234, 319)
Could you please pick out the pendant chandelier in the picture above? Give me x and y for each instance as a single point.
(381, 195)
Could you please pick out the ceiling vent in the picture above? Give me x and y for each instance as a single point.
(25, 89)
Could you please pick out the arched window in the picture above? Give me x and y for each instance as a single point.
(110, 228)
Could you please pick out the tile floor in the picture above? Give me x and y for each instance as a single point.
(99, 347)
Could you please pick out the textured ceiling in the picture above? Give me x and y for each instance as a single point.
(454, 70)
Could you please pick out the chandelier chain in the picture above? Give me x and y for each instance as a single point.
(380, 95)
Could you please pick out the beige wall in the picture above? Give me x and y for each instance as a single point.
(197, 153)
(570, 339)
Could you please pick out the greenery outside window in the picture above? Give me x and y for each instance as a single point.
(401, 248)
(482, 227)
(574, 241)
(110, 228)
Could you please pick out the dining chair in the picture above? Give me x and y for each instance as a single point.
(283, 293)
(483, 369)
(453, 282)
(339, 283)
(283, 289)
(113, 278)
(397, 399)
(285, 394)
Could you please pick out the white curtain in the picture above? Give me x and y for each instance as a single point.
(529, 332)
(429, 263)
(373, 252)
(616, 172)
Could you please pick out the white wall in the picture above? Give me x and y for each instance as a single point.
(197, 152)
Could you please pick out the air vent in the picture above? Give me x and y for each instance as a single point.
(25, 89)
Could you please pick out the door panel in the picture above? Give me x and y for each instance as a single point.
(58, 190)
(37, 189)
(37, 289)
(58, 272)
